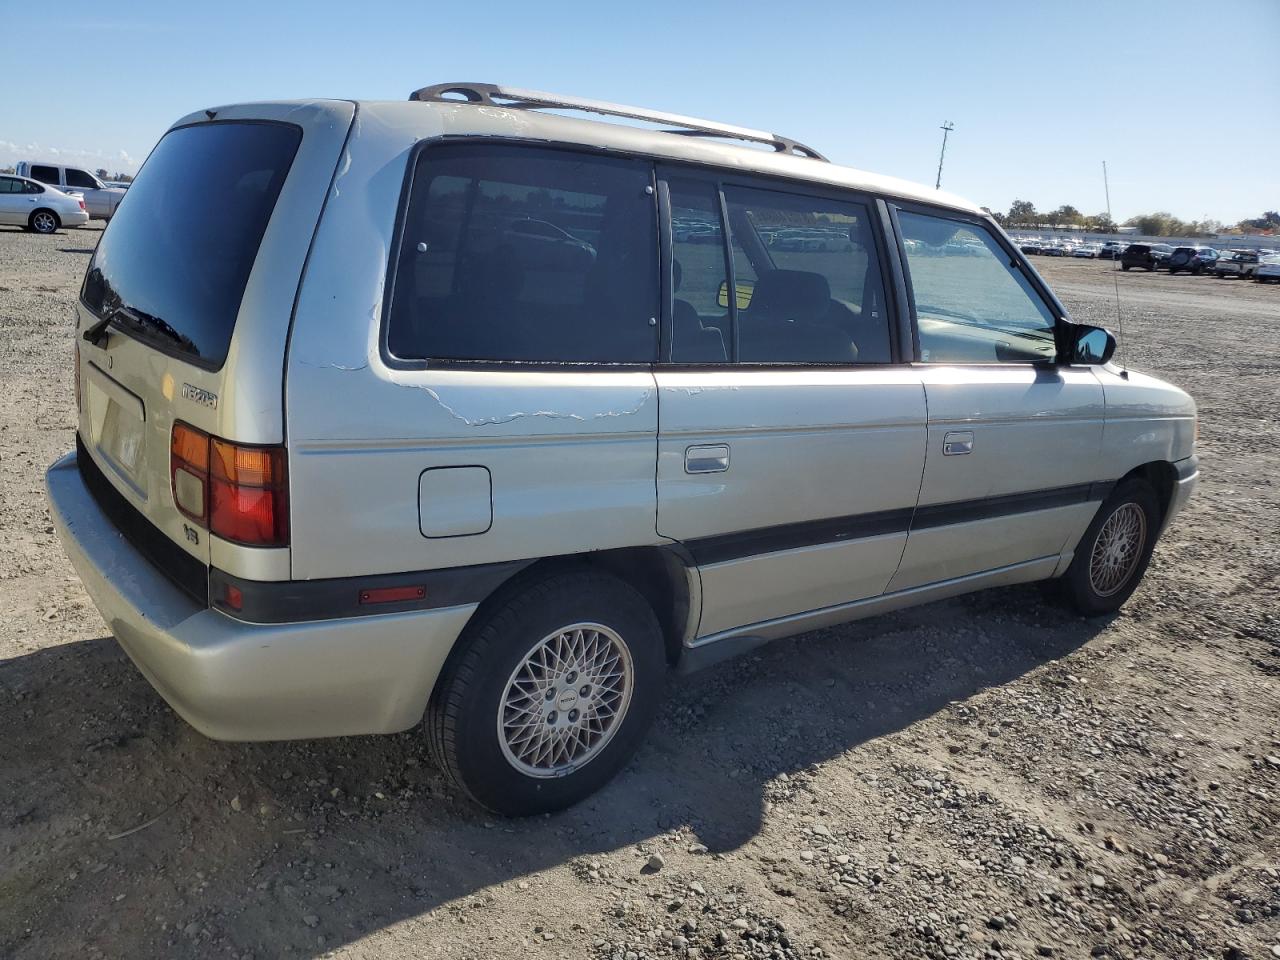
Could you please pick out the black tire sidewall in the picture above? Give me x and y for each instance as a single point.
(1079, 588)
(505, 637)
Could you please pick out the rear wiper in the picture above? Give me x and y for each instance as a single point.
(98, 331)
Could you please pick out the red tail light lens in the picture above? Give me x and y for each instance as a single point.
(248, 496)
(239, 492)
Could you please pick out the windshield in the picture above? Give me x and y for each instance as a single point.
(177, 287)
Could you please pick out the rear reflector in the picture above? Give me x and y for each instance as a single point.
(392, 594)
(239, 492)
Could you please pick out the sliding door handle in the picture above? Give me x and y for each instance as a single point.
(707, 458)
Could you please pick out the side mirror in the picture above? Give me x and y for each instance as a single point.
(1091, 345)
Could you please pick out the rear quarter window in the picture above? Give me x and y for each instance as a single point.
(514, 253)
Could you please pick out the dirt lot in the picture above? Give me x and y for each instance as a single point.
(985, 777)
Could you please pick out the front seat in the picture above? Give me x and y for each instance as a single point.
(788, 321)
(691, 342)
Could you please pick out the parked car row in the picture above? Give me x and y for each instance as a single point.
(1261, 265)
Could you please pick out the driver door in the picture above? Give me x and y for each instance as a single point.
(1012, 460)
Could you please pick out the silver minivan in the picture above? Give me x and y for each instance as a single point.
(461, 408)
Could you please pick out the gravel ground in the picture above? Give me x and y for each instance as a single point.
(984, 777)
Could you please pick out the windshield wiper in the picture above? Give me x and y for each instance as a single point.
(98, 331)
(141, 321)
(930, 308)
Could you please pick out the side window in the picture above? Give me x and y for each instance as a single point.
(44, 174)
(524, 254)
(30, 187)
(10, 185)
(809, 285)
(972, 305)
(79, 178)
(700, 330)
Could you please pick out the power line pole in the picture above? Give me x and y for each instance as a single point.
(946, 129)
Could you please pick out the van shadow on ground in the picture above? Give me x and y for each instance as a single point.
(356, 834)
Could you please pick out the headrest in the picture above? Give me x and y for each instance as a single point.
(795, 295)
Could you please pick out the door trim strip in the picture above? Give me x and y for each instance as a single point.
(809, 533)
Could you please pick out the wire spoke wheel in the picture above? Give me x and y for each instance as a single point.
(565, 700)
(1117, 549)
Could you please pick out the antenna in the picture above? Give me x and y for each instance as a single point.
(1115, 271)
(946, 128)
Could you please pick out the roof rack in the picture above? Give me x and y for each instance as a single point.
(493, 95)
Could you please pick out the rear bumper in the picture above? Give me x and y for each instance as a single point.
(76, 218)
(238, 681)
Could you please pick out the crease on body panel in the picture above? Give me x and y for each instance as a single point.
(344, 165)
(497, 419)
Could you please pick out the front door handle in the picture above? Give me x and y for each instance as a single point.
(957, 443)
(707, 458)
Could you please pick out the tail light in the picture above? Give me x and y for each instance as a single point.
(240, 493)
(81, 203)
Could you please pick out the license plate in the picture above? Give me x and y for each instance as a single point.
(117, 418)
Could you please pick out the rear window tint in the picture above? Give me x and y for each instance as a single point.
(175, 259)
(45, 174)
(513, 253)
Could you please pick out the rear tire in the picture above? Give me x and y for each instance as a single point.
(549, 694)
(1124, 267)
(44, 221)
(1113, 554)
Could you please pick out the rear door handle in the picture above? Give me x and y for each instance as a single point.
(707, 458)
(957, 443)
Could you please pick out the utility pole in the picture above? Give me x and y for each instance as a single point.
(946, 128)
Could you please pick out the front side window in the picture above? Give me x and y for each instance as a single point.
(11, 185)
(80, 178)
(45, 174)
(514, 253)
(972, 303)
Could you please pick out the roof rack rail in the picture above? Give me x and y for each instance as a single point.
(493, 95)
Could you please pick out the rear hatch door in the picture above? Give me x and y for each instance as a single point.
(187, 304)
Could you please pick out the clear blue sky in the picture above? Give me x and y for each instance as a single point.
(1181, 98)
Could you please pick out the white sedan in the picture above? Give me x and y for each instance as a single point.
(1090, 250)
(27, 203)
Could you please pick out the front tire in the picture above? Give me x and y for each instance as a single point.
(44, 221)
(1113, 554)
(549, 695)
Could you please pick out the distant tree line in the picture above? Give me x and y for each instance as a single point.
(1023, 213)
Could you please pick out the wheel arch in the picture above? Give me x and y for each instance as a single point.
(1163, 478)
(31, 218)
(664, 576)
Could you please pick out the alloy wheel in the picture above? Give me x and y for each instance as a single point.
(565, 700)
(1117, 549)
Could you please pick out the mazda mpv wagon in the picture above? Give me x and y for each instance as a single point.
(435, 415)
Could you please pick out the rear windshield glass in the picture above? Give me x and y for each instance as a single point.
(173, 264)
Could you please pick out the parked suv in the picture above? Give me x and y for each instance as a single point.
(351, 453)
(1194, 260)
(1149, 256)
